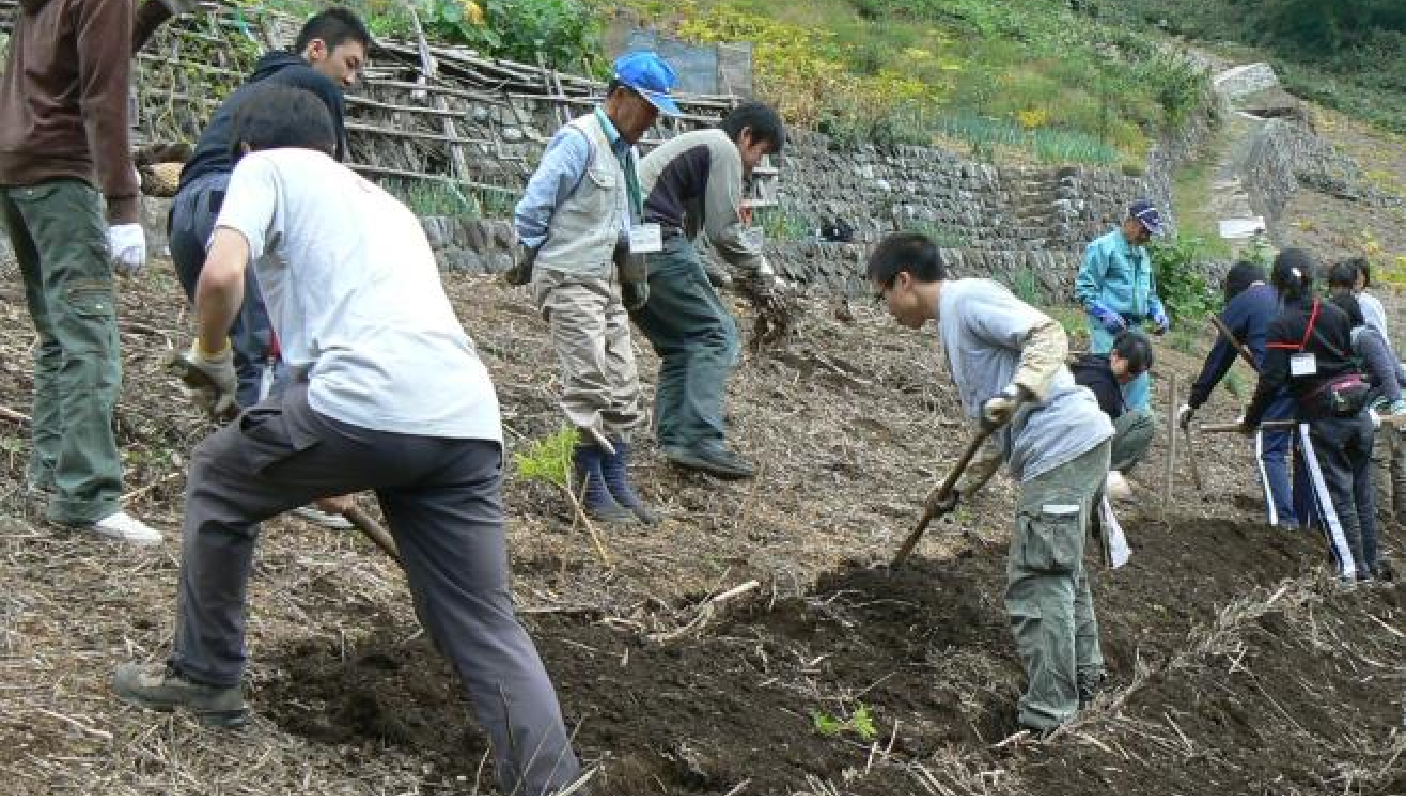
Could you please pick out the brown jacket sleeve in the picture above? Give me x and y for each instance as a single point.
(104, 74)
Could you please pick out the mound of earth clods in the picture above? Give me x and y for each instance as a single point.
(1202, 678)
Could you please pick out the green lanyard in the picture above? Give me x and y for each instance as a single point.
(627, 165)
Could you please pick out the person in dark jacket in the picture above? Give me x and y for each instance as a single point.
(1250, 305)
(328, 56)
(1106, 375)
(1372, 346)
(1308, 347)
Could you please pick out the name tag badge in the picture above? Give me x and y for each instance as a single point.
(646, 239)
(1303, 364)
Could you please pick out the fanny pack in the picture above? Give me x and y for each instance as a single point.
(1344, 396)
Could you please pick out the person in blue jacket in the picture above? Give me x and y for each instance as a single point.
(1117, 289)
(1250, 304)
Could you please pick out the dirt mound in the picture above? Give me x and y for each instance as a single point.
(1233, 686)
(702, 714)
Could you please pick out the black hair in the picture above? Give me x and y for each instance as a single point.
(1348, 303)
(1293, 275)
(910, 252)
(1241, 275)
(1361, 265)
(334, 26)
(762, 119)
(1342, 274)
(1136, 350)
(271, 116)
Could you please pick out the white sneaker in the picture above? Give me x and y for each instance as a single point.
(1117, 486)
(125, 528)
(319, 517)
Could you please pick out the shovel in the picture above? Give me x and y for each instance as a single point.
(943, 490)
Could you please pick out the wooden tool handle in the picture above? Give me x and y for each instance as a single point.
(1239, 346)
(374, 531)
(944, 489)
(1268, 425)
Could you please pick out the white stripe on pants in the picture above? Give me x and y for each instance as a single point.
(1337, 540)
(1264, 479)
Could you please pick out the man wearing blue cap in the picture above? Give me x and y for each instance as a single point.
(582, 238)
(1117, 289)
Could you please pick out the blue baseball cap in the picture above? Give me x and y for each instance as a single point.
(651, 76)
(1146, 214)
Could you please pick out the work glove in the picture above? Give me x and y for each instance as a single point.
(1159, 317)
(126, 244)
(1184, 416)
(210, 379)
(521, 272)
(1111, 321)
(940, 503)
(998, 411)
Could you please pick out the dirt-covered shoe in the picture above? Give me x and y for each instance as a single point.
(159, 687)
(125, 528)
(714, 460)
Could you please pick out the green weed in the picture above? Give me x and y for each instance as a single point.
(861, 723)
(547, 459)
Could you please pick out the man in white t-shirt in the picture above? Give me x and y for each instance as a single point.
(391, 397)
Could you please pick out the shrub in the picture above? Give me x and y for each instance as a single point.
(1181, 279)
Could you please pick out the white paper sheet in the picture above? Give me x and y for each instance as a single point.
(1115, 542)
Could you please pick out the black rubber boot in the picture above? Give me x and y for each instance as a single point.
(617, 480)
(591, 490)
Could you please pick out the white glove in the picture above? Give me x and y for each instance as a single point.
(126, 245)
(998, 411)
(1184, 416)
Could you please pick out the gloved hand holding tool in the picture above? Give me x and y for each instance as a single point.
(998, 411)
(946, 495)
(210, 379)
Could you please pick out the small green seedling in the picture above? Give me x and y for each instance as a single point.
(547, 459)
(861, 723)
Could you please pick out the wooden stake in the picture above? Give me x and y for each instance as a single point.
(1171, 443)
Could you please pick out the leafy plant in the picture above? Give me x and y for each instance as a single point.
(1026, 286)
(548, 459)
(861, 723)
(1181, 279)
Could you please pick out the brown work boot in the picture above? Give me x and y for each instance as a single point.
(160, 687)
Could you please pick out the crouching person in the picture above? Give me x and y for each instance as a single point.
(1007, 360)
(1106, 375)
(392, 398)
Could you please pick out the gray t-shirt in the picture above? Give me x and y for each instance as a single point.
(982, 326)
(354, 295)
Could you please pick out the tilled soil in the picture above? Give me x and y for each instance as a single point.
(1235, 665)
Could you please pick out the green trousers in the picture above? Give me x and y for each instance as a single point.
(1132, 434)
(1048, 599)
(59, 236)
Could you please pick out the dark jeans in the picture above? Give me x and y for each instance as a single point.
(1338, 458)
(59, 237)
(1272, 448)
(443, 501)
(696, 340)
(191, 223)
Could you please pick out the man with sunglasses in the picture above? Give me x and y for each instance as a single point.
(1118, 290)
(1007, 361)
(1106, 375)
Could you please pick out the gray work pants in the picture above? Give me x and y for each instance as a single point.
(443, 501)
(1048, 597)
